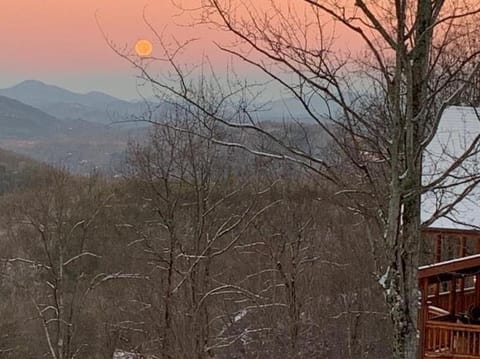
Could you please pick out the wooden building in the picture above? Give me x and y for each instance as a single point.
(449, 282)
(449, 318)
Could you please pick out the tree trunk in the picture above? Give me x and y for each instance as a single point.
(403, 228)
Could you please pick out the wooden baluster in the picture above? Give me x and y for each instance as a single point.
(466, 348)
(452, 341)
(471, 335)
(455, 342)
(461, 342)
(439, 338)
(461, 349)
(445, 338)
(439, 333)
(475, 343)
(428, 335)
(467, 343)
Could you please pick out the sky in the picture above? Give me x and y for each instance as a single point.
(59, 41)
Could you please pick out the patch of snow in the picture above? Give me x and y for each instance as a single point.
(383, 279)
(240, 315)
(449, 262)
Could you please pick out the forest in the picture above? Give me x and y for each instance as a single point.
(196, 251)
(225, 234)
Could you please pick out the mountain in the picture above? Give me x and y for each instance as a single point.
(99, 107)
(76, 144)
(37, 93)
(21, 121)
(58, 102)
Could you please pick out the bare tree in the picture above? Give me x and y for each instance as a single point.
(55, 261)
(253, 282)
(380, 109)
(197, 208)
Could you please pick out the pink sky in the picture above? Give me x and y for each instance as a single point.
(58, 41)
(63, 35)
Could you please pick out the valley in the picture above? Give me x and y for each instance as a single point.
(79, 132)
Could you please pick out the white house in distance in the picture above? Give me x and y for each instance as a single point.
(449, 317)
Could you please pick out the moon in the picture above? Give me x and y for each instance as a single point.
(143, 48)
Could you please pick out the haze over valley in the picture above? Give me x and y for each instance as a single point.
(80, 132)
(90, 131)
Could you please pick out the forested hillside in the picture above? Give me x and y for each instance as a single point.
(18, 120)
(16, 171)
(198, 251)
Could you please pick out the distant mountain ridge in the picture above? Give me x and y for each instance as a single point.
(77, 144)
(37, 93)
(94, 106)
(99, 107)
(18, 120)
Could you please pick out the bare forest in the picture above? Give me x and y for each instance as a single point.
(197, 252)
(225, 234)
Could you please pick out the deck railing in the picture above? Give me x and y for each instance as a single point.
(452, 340)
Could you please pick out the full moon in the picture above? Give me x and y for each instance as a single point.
(143, 48)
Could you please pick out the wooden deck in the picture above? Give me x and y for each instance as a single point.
(450, 289)
(451, 340)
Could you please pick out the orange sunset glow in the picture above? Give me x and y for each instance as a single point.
(63, 41)
(64, 34)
